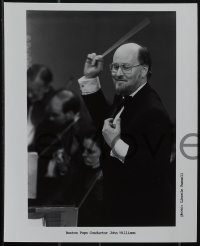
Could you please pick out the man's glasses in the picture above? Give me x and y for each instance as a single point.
(125, 67)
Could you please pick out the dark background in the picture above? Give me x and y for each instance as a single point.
(62, 39)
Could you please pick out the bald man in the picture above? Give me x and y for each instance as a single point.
(63, 108)
(137, 140)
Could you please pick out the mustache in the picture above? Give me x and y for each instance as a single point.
(120, 79)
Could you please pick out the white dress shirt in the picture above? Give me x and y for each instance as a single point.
(92, 85)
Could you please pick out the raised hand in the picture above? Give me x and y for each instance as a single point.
(93, 65)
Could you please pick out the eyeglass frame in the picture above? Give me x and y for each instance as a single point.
(120, 66)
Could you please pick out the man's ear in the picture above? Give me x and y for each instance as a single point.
(145, 69)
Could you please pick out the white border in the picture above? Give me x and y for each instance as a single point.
(16, 225)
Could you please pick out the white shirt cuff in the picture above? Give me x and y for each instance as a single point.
(89, 85)
(119, 150)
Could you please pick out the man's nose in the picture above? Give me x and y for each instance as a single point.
(84, 153)
(119, 72)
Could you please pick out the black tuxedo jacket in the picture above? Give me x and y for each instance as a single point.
(138, 191)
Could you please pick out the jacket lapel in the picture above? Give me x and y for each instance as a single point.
(132, 106)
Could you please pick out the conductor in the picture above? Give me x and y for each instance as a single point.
(136, 140)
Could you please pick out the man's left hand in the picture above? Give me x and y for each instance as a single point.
(111, 132)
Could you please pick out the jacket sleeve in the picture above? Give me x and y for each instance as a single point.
(98, 107)
(149, 140)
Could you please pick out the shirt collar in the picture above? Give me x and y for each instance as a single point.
(139, 88)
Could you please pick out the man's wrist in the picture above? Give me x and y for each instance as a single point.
(89, 85)
(120, 148)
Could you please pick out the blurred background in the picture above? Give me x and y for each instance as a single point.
(62, 39)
